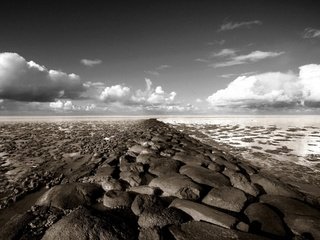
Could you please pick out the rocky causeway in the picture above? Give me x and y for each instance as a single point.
(141, 179)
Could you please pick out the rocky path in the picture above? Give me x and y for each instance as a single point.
(149, 181)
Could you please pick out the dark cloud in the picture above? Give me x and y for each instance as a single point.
(28, 81)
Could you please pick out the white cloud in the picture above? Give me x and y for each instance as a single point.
(225, 52)
(234, 25)
(90, 63)
(198, 100)
(157, 70)
(62, 105)
(254, 56)
(28, 81)
(311, 33)
(273, 89)
(116, 93)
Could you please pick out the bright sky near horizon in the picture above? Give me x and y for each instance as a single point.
(159, 57)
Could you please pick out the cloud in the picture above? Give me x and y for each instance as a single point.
(234, 25)
(254, 56)
(61, 105)
(28, 81)
(216, 42)
(116, 93)
(154, 73)
(225, 52)
(311, 33)
(157, 70)
(90, 63)
(272, 89)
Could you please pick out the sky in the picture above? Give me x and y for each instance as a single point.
(159, 57)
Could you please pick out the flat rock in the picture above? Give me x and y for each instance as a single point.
(131, 177)
(117, 199)
(69, 196)
(205, 176)
(289, 206)
(200, 212)
(228, 198)
(85, 224)
(143, 189)
(163, 166)
(240, 181)
(301, 225)
(264, 219)
(160, 218)
(201, 230)
(146, 203)
(215, 167)
(177, 185)
(273, 186)
(190, 159)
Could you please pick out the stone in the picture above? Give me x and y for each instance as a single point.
(205, 176)
(143, 189)
(144, 158)
(177, 185)
(289, 206)
(228, 198)
(273, 186)
(150, 233)
(240, 181)
(302, 225)
(88, 224)
(127, 166)
(241, 226)
(160, 218)
(133, 178)
(163, 166)
(69, 196)
(146, 203)
(117, 199)
(263, 219)
(194, 230)
(200, 212)
(103, 172)
(215, 167)
(110, 184)
(219, 160)
(191, 159)
(138, 149)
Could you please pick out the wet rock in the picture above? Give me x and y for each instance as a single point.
(15, 227)
(163, 166)
(201, 212)
(177, 185)
(191, 159)
(204, 176)
(240, 181)
(219, 160)
(87, 224)
(150, 233)
(304, 225)
(160, 218)
(133, 178)
(273, 186)
(111, 184)
(143, 189)
(69, 196)
(117, 199)
(146, 203)
(264, 219)
(201, 230)
(228, 198)
(289, 206)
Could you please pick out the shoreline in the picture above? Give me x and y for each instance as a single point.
(164, 180)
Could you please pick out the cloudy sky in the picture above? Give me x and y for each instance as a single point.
(159, 57)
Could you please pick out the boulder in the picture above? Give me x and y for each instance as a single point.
(192, 159)
(143, 189)
(117, 199)
(163, 166)
(69, 196)
(215, 167)
(228, 198)
(263, 219)
(110, 184)
(138, 149)
(205, 176)
(273, 186)
(87, 224)
(146, 203)
(201, 230)
(200, 212)
(150, 233)
(304, 225)
(177, 185)
(131, 177)
(240, 181)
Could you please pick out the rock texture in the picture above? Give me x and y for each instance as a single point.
(146, 180)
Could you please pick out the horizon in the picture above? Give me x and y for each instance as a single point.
(149, 58)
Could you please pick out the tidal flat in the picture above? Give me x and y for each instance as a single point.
(135, 178)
